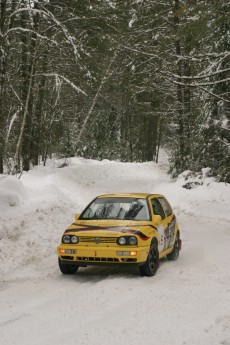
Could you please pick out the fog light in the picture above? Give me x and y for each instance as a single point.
(133, 253)
(67, 251)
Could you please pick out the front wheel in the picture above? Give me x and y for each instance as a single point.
(67, 269)
(176, 249)
(149, 269)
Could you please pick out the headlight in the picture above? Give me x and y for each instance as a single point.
(128, 240)
(122, 240)
(66, 239)
(132, 240)
(74, 239)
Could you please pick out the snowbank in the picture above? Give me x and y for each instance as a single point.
(37, 208)
(187, 302)
(13, 192)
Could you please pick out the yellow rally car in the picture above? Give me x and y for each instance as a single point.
(120, 229)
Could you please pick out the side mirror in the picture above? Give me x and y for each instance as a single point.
(77, 216)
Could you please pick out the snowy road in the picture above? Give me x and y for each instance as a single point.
(187, 302)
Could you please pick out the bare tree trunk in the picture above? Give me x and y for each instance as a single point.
(36, 130)
(104, 79)
(25, 111)
(179, 87)
(2, 80)
(158, 140)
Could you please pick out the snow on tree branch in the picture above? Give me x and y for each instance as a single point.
(47, 13)
(30, 31)
(56, 75)
(197, 77)
(201, 84)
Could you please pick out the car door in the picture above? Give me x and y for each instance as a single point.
(162, 226)
(170, 222)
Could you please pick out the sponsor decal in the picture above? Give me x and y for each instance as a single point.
(161, 238)
(170, 231)
(166, 236)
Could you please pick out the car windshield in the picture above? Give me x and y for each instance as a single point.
(117, 208)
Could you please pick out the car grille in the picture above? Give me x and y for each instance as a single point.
(94, 239)
(96, 259)
(65, 257)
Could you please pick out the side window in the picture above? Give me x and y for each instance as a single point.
(157, 208)
(166, 206)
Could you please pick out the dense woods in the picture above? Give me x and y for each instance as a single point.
(115, 79)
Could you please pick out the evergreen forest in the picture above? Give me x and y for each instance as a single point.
(115, 79)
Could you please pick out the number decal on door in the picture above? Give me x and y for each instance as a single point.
(161, 237)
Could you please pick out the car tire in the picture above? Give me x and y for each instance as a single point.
(176, 249)
(151, 265)
(67, 269)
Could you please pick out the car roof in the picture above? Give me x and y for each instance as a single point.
(128, 195)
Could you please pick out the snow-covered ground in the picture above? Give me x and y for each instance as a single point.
(186, 303)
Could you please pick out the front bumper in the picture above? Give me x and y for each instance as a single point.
(102, 256)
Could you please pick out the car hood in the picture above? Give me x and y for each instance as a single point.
(109, 228)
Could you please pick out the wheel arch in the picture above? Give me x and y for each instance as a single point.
(154, 241)
(177, 232)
